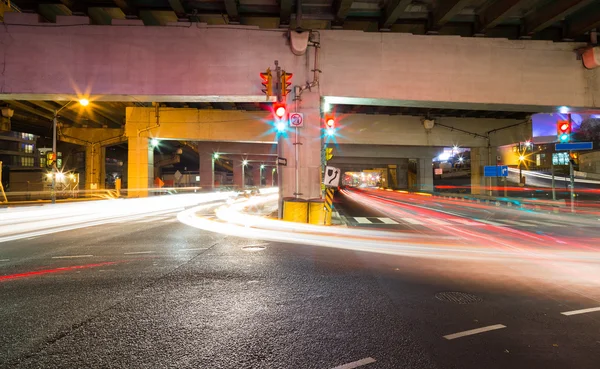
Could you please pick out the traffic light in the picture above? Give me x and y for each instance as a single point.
(286, 81)
(328, 153)
(329, 125)
(267, 82)
(563, 128)
(280, 117)
(574, 158)
(50, 158)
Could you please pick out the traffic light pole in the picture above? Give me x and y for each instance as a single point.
(553, 185)
(54, 123)
(572, 178)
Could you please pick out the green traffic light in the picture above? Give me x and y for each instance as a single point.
(564, 137)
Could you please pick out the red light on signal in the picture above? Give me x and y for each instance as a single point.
(564, 127)
(330, 122)
(280, 111)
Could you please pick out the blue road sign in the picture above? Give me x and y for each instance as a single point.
(574, 146)
(495, 171)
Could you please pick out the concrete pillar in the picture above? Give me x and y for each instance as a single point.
(140, 166)
(479, 159)
(425, 174)
(269, 173)
(95, 174)
(256, 175)
(239, 179)
(309, 161)
(207, 170)
(402, 174)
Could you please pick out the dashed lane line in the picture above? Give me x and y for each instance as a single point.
(582, 311)
(474, 331)
(388, 221)
(72, 256)
(356, 364)
(196, 249)
(362, 220)
(138, 252)
(2, 260)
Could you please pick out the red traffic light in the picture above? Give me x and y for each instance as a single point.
(564, 127)
(280, 111)
(330, 122)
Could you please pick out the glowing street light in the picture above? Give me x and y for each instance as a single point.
(521, 158)
(84, 102)
(154, 142)
(245, 162)
(262, 166)
(216, 155)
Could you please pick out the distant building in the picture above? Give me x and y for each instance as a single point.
(20, 161)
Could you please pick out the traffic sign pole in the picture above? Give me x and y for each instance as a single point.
(572, 177)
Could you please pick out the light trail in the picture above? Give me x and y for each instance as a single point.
(25, 222)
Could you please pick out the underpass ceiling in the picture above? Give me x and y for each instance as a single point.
(36, 116)
(513, 19)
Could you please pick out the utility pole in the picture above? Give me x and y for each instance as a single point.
(553, 185)
(572, 178)
(1, 185)
(54, 123)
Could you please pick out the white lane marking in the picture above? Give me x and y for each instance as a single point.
(138, 252)
(4, 260)
(356, 364)
(582, 311)
(412, 221)
(388, 220)
(72, 256)
(197, 249)
(362, 220)
(437, 221)
(474, 331)
(150, 220)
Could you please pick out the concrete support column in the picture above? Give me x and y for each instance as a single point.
(309, 160)
(239, 179)
(479, 159)
(256, 175)
(425, 174)
(402, 174)
(140, 166)
(207, 170)
(95, 172)
(269, 173)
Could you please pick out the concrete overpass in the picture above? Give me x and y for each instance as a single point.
(156, 64)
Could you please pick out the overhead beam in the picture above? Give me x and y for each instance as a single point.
(448, 9)
(285, 11)
(178, 8)
(552, 13)
(497, 12)
(30, 109)
(584, 21)
(341, 8)
(392, 12)
(126, 6)
(232, 11)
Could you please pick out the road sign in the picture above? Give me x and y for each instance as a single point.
(177, 176)
(296, 120)
(282, 161)
(332, 177)
(574, 146)
(495, 171)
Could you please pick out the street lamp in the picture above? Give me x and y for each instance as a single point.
(245, 162)
(154, 142)
(82, 102)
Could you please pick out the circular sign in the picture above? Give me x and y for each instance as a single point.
(296, 120)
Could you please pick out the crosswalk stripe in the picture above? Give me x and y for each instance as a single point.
(362, 220)
(388, 220)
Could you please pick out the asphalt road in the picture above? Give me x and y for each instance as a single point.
(155, 293)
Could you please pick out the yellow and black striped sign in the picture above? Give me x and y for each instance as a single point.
(328, 199)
